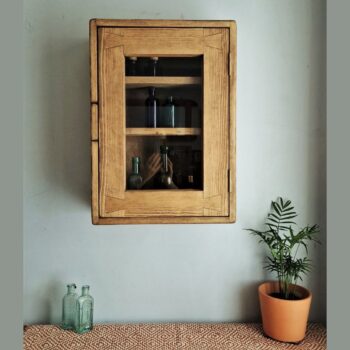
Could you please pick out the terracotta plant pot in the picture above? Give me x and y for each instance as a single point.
(284, 320)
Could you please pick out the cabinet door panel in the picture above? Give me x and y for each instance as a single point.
(112, 123)
(216, 121)
(114, 45)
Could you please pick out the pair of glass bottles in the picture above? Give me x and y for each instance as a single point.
(154, 118)
(133, 68)
(164, 179)
(77, 312)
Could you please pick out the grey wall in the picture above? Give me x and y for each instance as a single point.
(171, 272)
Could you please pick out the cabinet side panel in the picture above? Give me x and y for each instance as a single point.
(94, 182)
(233, 80)
(93, 61)
(216, 119)
(111, 121)
(94, 122)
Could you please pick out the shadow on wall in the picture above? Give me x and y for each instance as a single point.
(66, 117)
(249, 302)
(48, 301)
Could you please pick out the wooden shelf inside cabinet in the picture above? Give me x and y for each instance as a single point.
(162, 131)
(141, 82)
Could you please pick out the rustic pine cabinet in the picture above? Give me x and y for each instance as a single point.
(163, 112)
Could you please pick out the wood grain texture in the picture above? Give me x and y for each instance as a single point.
(157, 41)
(162, 23)
(165, 220)
(93, 61)
(111, 121)
(217, 202)
(94, 122)
(216, 134)
(232, 103)
(138, 82)
(154, 203)
(94, 182)
(162, 131)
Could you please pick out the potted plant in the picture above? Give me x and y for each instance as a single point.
(285, 305)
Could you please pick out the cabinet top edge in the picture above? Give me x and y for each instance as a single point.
(104, 22)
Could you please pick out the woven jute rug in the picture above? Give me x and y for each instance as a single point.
(171, 336)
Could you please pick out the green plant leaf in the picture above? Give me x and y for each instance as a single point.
(283, 243)
(277, 208)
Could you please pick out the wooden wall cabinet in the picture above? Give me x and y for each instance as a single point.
(197, 66)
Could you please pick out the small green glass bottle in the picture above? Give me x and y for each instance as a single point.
(84, 314)
(135, 178)
(165, 179)
(168, 115)
(69, 307)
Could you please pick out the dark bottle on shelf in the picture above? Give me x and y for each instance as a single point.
(168, 114)
(132, 66)
(152, 109)
(135, 178)
(153, 67)
(165, 177)
(189, 180)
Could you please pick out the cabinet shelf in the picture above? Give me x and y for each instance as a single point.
(162, 131)
(141, 82)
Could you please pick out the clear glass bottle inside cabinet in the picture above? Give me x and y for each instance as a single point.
(164, 122)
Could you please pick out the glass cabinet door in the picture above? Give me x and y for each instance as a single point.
(164, 122)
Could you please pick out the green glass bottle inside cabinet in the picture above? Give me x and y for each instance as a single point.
(168, 115)
(135, 178)
(166, 171)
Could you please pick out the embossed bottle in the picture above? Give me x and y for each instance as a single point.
(85, 307)
(69, 307)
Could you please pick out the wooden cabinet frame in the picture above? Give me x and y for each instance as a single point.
(110, 42)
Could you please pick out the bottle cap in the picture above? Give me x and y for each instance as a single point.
(154, 58)
(133, 58)
(164, 149)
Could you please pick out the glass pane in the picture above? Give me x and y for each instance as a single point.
(164, 66)
(164, 112)
(184, 160)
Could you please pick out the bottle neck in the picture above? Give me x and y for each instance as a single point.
(135, 167)
(71, 288)
(165, 162)
(85, 291)
(152, 92)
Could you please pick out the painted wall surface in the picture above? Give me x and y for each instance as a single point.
(171, 272)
